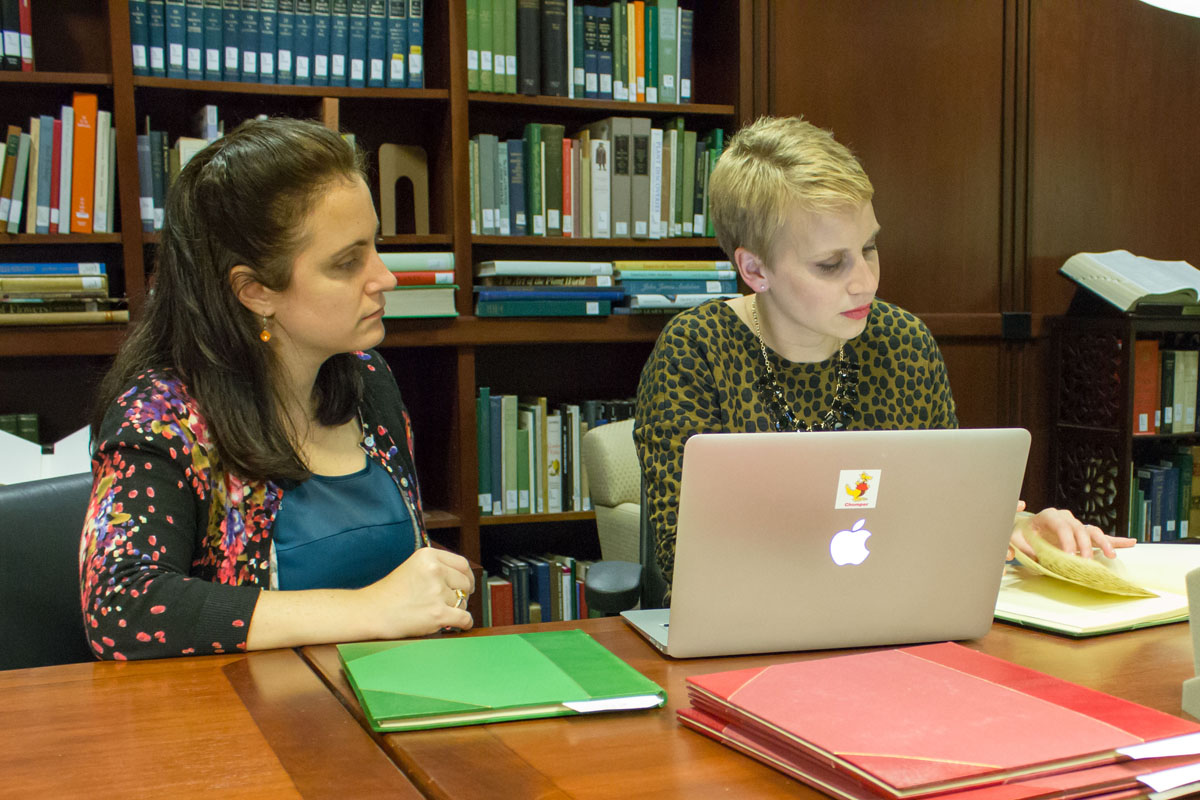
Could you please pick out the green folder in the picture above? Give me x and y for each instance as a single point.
(441, 683)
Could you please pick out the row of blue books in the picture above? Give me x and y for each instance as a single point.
(358, 43)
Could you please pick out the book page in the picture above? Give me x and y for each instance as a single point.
(1088, 572)
(1126, 279)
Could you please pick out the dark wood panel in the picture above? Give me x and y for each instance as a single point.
(1114, 120)
(916, 90)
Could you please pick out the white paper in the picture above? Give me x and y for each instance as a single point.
(615, 704)
(22, 461)
(1186, 745)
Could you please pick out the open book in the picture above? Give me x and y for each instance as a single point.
(1129, 282)
(1075, 596)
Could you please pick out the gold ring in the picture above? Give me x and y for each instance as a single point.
(462, 598)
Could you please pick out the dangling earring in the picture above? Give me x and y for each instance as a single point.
(265, 336)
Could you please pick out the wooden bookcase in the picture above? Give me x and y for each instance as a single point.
(1094, 446)
(85, 45)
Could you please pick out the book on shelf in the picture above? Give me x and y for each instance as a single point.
(156, 31)
(542, 281)
(1147, 415)
(302, 43)
(356, 44)
(424, 277)
(416, 44)
(193, 24)
(175, 37)
(500, 601)
(268, 39)
(339, 41)
(377, 54)
(396, 45)
(20, 174)
(420, 301)
(543, 308)
(322, 23)
(83, 170)
(483, 434)
(10, 17)
(678, 286)
(675, 301)
(1135, 284)
(64, 268)
(98, 317)
(613, 294)
(543, 268)
(437, 683)
(214, 27)
(555, 68)
(418, 261)
(891, 720)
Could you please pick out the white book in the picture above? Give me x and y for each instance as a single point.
(574, 420)
(674, 300)
(526, 421)
(671, 181)
(601, 165)
(1128, 281)
(554, 463)
(66, 153)
(656, 187)
(100, 183)
(486, 269)
(31, 189)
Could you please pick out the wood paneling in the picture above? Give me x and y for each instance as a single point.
(1114, 126)
(916, 90)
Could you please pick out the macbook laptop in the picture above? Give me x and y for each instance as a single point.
(805, 541)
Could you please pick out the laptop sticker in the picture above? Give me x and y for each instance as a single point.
(857, 488)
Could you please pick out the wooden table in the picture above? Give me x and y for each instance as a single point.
(259, 725)
(648, 754)
(266, 725)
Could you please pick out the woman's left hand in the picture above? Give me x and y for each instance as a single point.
(1060, 527)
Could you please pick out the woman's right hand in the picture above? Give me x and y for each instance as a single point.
(419, 596)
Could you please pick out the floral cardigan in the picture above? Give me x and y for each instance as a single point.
(175, 549)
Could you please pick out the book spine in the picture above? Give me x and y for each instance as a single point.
(66, 168)
(302, 44)
(417, 261)
(339, 41)
(249, 39)
(499, 34)
(500, 168)
(416, 44)
(555, 80)
(356, 44)
(26, 29)
(60, 268)
(377, 18)
(1146, 411)
(103, 165)
(193, 24)
(496, 449)
(45, 168)
(552, 190)
(156, 22)
(674, 287)
(473, 45)
(516, 187)
(483, 435)
(268, 19)
(55, 176)
(66, 317)
(231, 40)
(486, 68)
(510, 46)
(322, 29)
(285, 43)
(158, 176)
(604, 52)
(31, 174)
(145, 183)
(214, 28)
(684, 45)
(176, 38)
(397, 43)
(534, 210)
(543, 308)
(619, 78)
(139, 36)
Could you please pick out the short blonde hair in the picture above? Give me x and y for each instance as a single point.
(772, 167)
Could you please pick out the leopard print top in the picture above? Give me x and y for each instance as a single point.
(702, 377)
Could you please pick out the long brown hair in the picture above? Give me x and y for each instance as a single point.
(242, 200)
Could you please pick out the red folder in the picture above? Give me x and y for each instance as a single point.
(920, 721)
(1111, 781)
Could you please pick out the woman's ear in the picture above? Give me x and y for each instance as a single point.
(751, 269)
(250, 293)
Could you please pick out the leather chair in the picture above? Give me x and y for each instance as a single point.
(629, 575)
(41, 621)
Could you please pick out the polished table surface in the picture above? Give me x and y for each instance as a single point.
(648, 754)
(258, 725)
(285, 724)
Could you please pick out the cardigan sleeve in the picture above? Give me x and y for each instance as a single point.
(677, 397)
(143, 541)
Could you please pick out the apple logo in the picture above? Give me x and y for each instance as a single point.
(850, 547)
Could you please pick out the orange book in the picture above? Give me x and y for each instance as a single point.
(638, 10)
(83, 161)
(1146, 364)
(12, 145)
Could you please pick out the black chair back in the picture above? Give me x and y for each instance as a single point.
(41, 621)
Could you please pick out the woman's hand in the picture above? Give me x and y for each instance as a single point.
(1060, 527)
(420, 596)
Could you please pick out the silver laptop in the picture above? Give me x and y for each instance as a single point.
(806, 541)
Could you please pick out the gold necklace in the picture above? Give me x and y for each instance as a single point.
(844, 392)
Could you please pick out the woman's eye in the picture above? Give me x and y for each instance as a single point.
(830, 266)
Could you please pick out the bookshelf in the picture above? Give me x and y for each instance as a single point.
(439, 363)
(1094, 444)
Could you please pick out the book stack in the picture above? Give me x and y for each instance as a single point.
(1161, 491)
(524, 589)
(57, 294)
(59, 176)
(639, 52)
(619, 178)
(654, 286)
(159, 161)
(373, 43)
(545, 289)
(941, 721)
(16, 45)
(424, 285)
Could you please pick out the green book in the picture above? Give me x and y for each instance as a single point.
(552, 142)
(651, 56)
(473, 45)
(523, 471)
(535, 212)
(508, 451)
(543, 308)
(668, 16)
(620, 86)
(485, 46)
(499, 39)
(483, 448)
(472, 680)
(510, 46)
